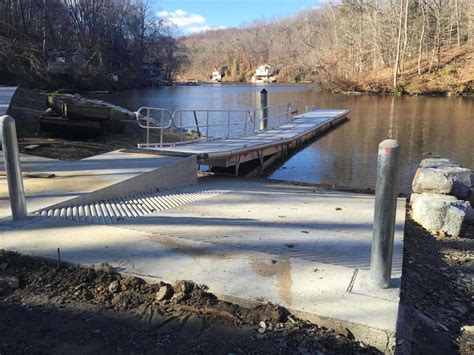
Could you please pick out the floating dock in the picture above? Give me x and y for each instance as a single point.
(227, 152)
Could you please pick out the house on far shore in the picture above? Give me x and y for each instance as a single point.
(264, 74)
(60, 62)
(218, 74)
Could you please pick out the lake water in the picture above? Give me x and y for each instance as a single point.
(347, 156)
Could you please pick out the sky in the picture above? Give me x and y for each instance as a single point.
(193, 16)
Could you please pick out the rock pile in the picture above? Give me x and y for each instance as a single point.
(441, 191)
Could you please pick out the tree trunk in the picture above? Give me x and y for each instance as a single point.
(399, 40)
(422, 37)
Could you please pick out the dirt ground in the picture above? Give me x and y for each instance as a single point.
(437, 289)
(59, 308)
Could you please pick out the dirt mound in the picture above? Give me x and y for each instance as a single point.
(85, 310)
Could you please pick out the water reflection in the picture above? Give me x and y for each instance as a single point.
(425, 126)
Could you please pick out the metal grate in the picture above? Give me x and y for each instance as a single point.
(118, 209)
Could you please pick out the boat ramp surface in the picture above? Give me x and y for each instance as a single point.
(249, 241)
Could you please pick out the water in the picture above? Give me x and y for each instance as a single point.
(347, 156)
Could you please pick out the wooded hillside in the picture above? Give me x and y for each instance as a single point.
(364, 45)
(116, 37)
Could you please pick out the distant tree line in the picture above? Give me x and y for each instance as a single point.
(339, 41)
(119, 39)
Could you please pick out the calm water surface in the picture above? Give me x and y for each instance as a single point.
(347, 156)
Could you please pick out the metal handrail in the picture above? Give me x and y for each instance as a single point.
(234, 123)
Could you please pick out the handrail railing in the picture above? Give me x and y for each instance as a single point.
(205, 125)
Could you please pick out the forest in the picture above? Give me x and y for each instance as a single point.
(413, 46)
(121, 44)
(405, 46)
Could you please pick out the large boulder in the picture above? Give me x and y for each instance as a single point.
(443, 179)
(470, 198)
(440, 213)
(437, 163)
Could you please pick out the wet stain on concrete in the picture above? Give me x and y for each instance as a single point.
(281, 269)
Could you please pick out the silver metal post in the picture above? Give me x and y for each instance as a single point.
(264, 107)
(148, 128)
(254, 121)
(161, 128)
(207, 125)
(11, 158)
(386, 192)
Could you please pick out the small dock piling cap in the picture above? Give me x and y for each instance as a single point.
(389, 143)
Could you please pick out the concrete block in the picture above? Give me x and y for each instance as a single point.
(449, 180)
(441, 213)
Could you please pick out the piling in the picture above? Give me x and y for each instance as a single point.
(264, 108)
(11, 157)
(386, 192)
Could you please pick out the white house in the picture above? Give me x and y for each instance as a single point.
(264, 74)
(218, 74)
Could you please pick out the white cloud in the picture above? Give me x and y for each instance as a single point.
(187, 22)
(182, 18)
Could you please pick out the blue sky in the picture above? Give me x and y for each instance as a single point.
(192, 16)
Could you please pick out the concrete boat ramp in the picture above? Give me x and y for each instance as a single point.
(250, 241)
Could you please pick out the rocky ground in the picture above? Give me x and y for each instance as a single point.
(57, 308)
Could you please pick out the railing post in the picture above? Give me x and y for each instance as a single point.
(386, 192)
(148, 128)
(161, 128)
(264, 108)
(11, 158)
(254, 121)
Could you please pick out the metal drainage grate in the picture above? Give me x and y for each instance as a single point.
(118, 209)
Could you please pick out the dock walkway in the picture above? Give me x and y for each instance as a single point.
(227, 152)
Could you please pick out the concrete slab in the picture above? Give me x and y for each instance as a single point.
(6, 95)
(31, 163)
(297, 221)
(260, 242)
(103, 176)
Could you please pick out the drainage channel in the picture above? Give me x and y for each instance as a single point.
(114, 210)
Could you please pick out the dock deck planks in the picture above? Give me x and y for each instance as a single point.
(304, 125)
